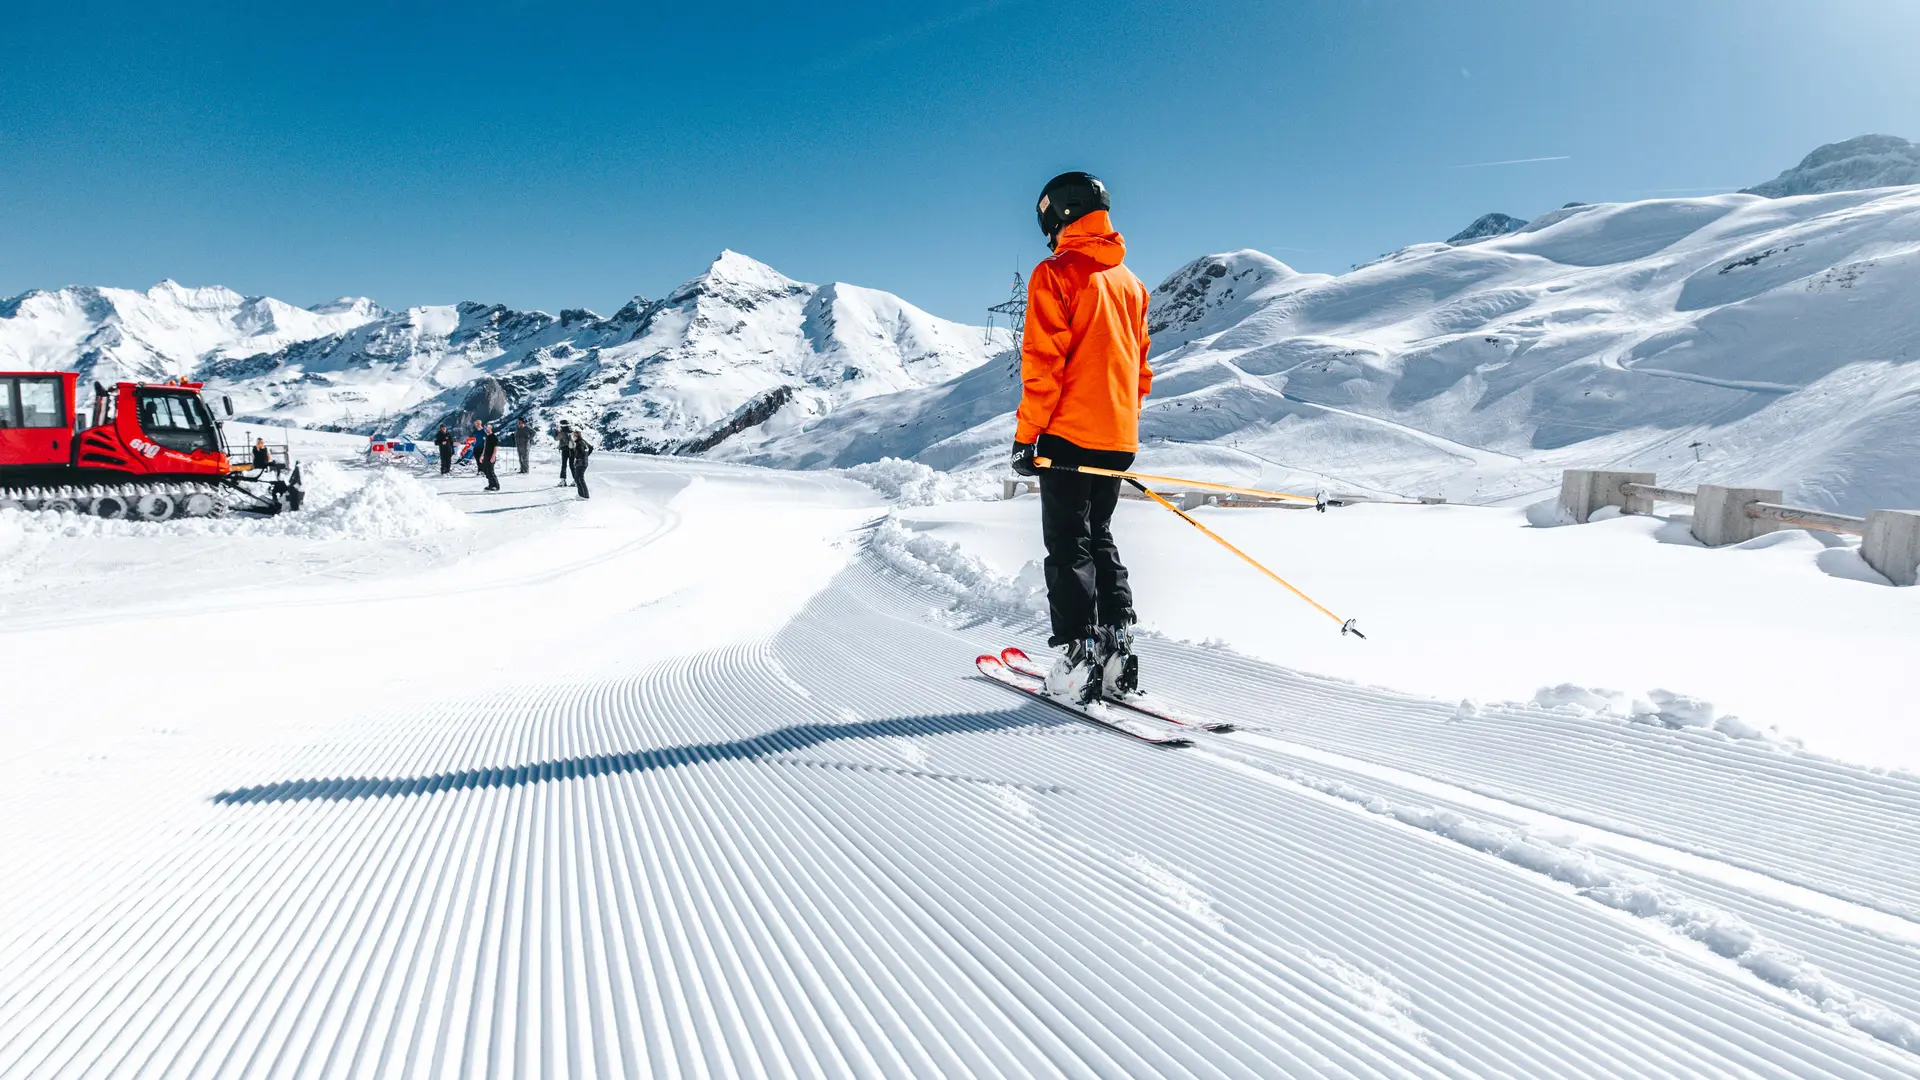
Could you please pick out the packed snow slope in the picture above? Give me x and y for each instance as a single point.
(1475, 603)
(623, 787)
(1777, 334)
(739, 347)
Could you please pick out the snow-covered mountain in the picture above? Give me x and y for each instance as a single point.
(740, 347)
(1737, 337)
(1732, 338)
(111, 334)
(1869, 161)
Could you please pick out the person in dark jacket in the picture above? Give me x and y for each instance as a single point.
(262, 457)
(444, 440)
(523, 444)
(577, 455)
(486, 448)
(566, 449)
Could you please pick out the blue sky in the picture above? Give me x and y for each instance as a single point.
(541, 157)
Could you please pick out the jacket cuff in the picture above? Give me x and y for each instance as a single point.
(1024, 432)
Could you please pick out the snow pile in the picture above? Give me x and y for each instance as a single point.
(19, 544)
(1636, 893)
(377, 504)
(1658, 706)
(341, 504)
(1549, 514)
(910, 483)
(975, 588)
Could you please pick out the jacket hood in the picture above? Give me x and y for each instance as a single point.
(1093, 236)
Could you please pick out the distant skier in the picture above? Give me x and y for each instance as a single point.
(576, 455)
(486, 450)
(1083, 365)
(566, 449)
(444, 440)
(523, 444)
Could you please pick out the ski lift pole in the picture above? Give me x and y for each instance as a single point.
(1346, 625)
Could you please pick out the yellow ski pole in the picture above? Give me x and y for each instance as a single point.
(1137, 478)
(1346, 625)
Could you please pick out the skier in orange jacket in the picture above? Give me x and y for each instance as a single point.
(1083, 365)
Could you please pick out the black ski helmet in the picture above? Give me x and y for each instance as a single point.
(1068, 198)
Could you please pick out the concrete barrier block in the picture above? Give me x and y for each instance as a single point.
(1892, 544)
(1583, 491)
(1192, 500)
(1720, 514)
(1013, 489)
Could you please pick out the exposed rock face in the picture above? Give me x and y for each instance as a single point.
(1486, 225)
(1213, 290)
(486, 403)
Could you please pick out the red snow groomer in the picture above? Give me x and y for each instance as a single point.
(146, 450)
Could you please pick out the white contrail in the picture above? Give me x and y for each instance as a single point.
(1515, 161)
(867, 50)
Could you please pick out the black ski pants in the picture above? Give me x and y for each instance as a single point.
(486, 470)
(565, 453)
(1086, 584)
(580, 481)
(446, 460)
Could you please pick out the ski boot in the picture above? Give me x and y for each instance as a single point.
(1119, 667)
(1075, 676)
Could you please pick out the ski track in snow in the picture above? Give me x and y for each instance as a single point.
(762, 859)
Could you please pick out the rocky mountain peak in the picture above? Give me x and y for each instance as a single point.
(1187, 301)
(739, 280)
(1487, 225)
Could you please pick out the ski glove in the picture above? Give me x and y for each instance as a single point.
(1023, 459)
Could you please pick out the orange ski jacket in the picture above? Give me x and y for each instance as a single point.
(1083, 361)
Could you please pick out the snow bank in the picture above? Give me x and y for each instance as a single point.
(1547, 514)
(1658, 706)
(1639, 894)
(19, 545)
(973, 585)
(342, 503)
(910, 483)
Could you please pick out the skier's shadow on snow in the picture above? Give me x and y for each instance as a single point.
(769, 744)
